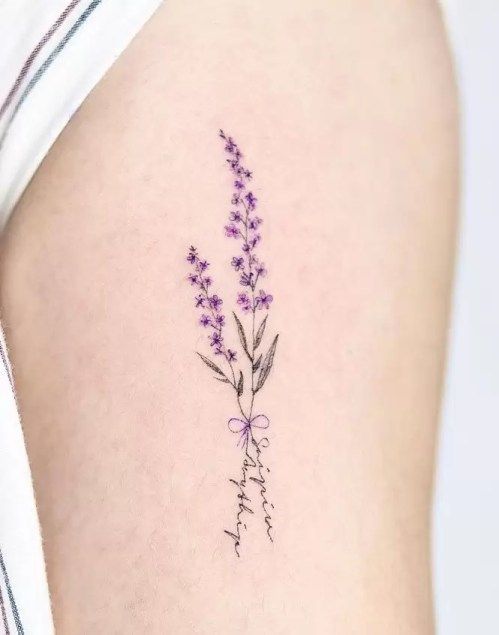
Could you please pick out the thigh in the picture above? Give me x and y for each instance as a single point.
(346, 115)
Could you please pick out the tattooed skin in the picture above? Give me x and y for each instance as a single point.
(244, 371)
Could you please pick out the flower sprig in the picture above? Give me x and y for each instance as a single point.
(244, 226)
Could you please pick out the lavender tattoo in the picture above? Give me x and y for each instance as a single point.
(252, 302)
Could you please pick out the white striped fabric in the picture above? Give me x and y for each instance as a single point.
(85, 38)
(52, 53)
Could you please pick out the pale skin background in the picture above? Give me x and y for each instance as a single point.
(346, 112)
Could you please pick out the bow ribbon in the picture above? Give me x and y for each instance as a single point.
(243, 427)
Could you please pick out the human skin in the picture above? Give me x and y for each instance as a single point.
(346, 113)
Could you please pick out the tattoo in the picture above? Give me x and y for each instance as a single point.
(245, 376)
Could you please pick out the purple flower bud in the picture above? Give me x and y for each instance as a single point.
(231, 355)
(230, 146)
(193, 279)
(255, 240)
(239, 185)
(203, 265)
(207, 281)
(236, 199)
(200, 301)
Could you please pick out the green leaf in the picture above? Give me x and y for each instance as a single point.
(256, 365)
(240, 384)
(211, 365)
(242, 336)
(266, 365)
(260, 332)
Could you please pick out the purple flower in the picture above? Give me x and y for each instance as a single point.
(239, 185)
(254, 223)
(255, 240)
(236, 216)
(220, 320)
(263, 300)
(192, 255)
(193, 279)
(216, 339)
(203, 265)
(207, 281)
(237, 262)
(215, 302)
(236, 199)
(242, 298)
(231, 231)
(244, 302)
(231, 355)
(246, 279)
(204, 320)
(260, 270)
(251, 200)
(200, 301)
(248, 175)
